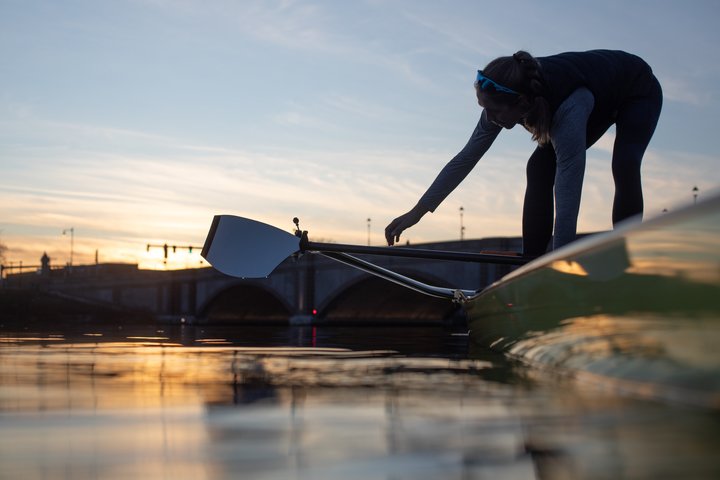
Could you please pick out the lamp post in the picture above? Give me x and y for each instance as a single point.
(368, 229)
(72, 242)
(695, 191)
(462, 227)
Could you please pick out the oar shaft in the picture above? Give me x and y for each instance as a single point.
(455, 294)
(416, 253)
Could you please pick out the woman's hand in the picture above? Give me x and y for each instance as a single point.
(403, 222)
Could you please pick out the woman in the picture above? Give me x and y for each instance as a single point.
(567, 102)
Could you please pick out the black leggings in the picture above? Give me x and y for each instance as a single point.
(635, 123)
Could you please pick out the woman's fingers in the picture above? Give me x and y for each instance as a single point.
(392, 234)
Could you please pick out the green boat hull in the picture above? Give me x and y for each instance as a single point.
(637, 308)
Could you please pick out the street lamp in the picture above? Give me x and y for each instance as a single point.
(695, 191)
(72, 242)
(368, 228)
(462, 227)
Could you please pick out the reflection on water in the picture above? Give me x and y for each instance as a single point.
(666, 357)
(320, 404)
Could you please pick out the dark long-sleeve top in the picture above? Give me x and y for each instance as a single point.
(579, 85)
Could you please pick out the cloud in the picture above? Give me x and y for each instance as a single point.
(296, 118)
(480, 39)
(683, 90)
(606, 143)
(347, 146)
(119, 202)
(318, 29)
(359, 107)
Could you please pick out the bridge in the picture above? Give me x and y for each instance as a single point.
(308, 289)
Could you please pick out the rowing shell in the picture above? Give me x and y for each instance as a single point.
(638, 307)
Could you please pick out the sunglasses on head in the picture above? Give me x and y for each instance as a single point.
(485, 82)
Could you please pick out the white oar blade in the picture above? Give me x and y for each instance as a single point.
(246, 248)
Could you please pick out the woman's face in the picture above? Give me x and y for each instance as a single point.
(506, 115)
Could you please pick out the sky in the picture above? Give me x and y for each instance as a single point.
(133, 122)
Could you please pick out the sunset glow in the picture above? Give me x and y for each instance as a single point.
(135, 122)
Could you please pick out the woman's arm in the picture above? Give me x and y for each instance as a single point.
(460, 166)
(569, 139)
(448, 179)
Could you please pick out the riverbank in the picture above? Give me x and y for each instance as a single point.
(28, 306)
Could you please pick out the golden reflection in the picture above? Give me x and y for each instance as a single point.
(569, 267)
(147, 338)
(50, 338)
(669, 357)
(690, 251)
(124, 410)
(146, 375)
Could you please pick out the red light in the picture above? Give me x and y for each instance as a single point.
(314, 312)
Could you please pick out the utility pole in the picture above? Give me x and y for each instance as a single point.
(72, 242)
(368, 229)
(462, 227)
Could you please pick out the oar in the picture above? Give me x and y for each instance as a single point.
(245, 248)
(455, 294)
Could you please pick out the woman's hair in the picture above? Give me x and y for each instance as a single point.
(521, 72)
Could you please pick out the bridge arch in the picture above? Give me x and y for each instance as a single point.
(370, 299)
(245, 302)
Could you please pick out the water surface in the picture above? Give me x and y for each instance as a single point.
(320, 403)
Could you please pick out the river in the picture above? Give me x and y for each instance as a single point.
(120, 401)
